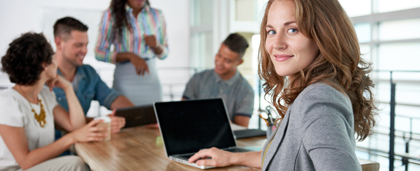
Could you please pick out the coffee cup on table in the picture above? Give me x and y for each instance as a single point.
(106, 124)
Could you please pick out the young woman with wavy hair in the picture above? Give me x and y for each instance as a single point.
(310, 61)
(338, 64)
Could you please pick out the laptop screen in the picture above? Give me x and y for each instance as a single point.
(191, 125)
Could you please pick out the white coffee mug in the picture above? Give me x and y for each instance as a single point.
(107, 124)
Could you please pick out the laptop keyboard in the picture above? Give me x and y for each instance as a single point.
(185, 156)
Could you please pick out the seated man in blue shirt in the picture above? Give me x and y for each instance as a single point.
(224, 81)
(71, 40)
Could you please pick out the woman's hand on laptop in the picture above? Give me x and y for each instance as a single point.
(116, 122)
(212, 157)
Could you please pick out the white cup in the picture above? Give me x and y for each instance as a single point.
(107, 124)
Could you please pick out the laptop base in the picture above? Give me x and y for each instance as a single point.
(185, 161)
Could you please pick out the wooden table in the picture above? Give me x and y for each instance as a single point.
(141, 148)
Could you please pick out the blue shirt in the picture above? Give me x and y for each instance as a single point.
(88, 86)
(236, 92)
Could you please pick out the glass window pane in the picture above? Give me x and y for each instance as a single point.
(393, 5)
(401, 29)
(363, 32)
(202, 55)
(401, 56)
(201, 12)
(366, 53)
(356, 7)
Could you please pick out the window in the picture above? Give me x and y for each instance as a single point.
(400, 29)
(389, 37)
(395, 5)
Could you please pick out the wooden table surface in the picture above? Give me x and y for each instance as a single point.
(141, 148)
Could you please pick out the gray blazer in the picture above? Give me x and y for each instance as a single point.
(317, 133)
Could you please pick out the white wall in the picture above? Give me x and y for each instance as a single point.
(20, 16)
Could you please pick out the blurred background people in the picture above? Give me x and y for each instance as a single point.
(225, 81)
(71, 40)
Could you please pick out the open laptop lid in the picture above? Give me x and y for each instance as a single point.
(137, 115)
(191, 125)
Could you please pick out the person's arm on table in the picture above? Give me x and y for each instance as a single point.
(221, 158)
(110, 99)
(118, 122)
(121, 102)
(241, 120)
(16, 142)
(244, 107)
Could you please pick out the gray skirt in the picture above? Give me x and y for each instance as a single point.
(141, 90)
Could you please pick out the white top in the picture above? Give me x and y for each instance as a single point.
(16, 111)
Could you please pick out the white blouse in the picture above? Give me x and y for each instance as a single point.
(16, 111)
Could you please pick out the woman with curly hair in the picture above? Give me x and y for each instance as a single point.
(29, 111)
(138, 34)
(310, 61)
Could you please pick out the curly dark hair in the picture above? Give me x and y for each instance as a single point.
(120, 16)
(25, 57)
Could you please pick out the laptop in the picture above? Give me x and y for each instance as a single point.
(189, 126)
(137, 115)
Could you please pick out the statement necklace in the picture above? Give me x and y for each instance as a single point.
(41, 116)
(38, 117)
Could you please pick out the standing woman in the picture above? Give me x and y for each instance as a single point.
(138, 34)
(29, 111)
(310, 61)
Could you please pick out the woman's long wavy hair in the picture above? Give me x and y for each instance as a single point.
(120, 16)
(338, 63)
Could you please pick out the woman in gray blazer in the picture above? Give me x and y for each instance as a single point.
(310, 61)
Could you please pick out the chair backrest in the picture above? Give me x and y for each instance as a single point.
(368, 165)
